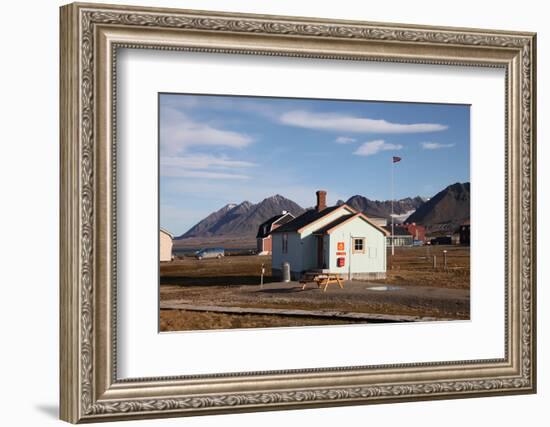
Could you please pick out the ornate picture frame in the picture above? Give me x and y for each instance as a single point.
(90, 37)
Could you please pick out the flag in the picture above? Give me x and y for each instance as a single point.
(396, 159)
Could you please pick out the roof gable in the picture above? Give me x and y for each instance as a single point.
(334, 224)
(338, 222)
(162, 230)
(265, 227)
(287, 217)
(309, 218)
(397, 231)
(335, 209)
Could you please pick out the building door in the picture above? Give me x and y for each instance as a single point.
(320, 254)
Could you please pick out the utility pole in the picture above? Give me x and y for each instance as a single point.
(262, 277)
(392, 233)
(394, 159)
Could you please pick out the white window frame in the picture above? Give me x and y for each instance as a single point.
(363, 245)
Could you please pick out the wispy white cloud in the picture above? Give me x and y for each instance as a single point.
(435, 145)
(373, 147)
(347, 123)
(223, 104)
(203, 174)
(344, 140)
(203, 166)
(179, 131)
(204, 161)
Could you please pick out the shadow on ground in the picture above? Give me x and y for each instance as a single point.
(214, 280)
(281, 290)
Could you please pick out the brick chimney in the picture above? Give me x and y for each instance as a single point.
(321, 200)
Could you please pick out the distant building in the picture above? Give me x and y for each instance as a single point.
(400, 236)
(464, 233)
(263, 238)
(405, 234)
(455, 238)
(165, 246)
(381, 222)
(335, 239)
(417, 231)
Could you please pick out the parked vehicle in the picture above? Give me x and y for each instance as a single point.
(210, 253)
(441, 240)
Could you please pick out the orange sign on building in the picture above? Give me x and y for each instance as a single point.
(340, 246)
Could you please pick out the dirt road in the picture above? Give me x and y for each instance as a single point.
(413, 288)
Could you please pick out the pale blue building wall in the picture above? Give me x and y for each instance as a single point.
(302, 248)
(293, 256)
(309, 241)
(372, 263)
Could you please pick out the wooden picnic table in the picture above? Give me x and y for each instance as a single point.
(321, 279)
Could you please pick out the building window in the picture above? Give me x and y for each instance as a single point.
(285, 243)
(359, 245)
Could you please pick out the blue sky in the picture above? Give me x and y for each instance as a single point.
(216, 150)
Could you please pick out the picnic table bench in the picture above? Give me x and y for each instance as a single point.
(321, 279)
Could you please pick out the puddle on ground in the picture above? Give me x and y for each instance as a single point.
(383, 288)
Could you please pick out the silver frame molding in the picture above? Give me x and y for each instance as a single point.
(90, 37)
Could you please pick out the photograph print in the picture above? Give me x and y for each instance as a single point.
(288, 212)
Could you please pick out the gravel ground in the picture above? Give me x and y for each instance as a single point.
(414, 289)
(363, 297)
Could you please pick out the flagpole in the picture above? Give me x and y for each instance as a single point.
(392, 234)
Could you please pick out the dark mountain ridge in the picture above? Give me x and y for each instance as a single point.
(383, 208)
(242, 219)
(447, 209)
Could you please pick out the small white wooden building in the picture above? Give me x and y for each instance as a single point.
(334, 239)
(165, 246)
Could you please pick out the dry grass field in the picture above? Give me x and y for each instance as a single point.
(228, 271)
(181, 320)
(414, 266)
(421, 291)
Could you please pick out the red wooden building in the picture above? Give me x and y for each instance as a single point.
(417, 231)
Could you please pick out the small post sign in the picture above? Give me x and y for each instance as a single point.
(262, 276)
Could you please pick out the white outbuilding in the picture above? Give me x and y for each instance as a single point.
(335, 239)
(165, 246)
